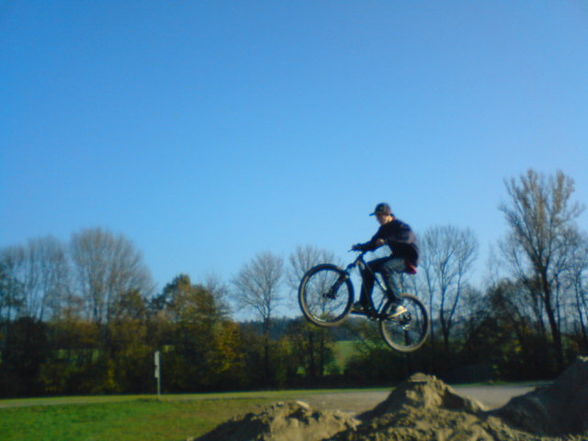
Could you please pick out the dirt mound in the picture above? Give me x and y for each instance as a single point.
(291, 421)
(423, 392)
(425, 408)
(557, 409)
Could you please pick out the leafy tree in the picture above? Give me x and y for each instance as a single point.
(312, 345)
(202, 345)
(228, 359)
(25, 350)
(284, 362)
(129, 349)
(74, 352)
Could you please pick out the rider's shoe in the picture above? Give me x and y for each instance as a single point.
(358, 307)
(361, 308)
(397, 311)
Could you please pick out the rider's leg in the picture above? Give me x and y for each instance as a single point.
(367, 286)
(388, 267)
(374, 266)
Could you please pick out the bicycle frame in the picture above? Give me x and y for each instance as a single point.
(363, 266)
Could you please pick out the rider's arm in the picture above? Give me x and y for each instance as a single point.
(375, 243)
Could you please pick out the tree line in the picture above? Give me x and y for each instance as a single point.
(85, 317)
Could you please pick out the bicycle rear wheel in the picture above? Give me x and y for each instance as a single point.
(325, 295)
(409, 331)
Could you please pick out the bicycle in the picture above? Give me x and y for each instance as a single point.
(326, 297)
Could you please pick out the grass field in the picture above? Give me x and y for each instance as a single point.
(126, 418)
(136, 418)
(144, 420)
(344, 350)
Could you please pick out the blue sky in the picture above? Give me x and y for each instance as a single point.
(209, 131)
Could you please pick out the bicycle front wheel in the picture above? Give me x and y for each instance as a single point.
(325, 295)
(409, 331)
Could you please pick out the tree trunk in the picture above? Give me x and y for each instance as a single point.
(266, 348)
(555, 331)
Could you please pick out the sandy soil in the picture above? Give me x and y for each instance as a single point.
(424, 408)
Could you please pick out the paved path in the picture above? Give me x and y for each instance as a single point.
(356, 402)
(352, 402)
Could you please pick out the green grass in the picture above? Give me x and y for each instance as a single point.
(140, 419)
(134, 418)
(344, 350)
(129, 418)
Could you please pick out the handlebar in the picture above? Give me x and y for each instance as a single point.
(358, 259)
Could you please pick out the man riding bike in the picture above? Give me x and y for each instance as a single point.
(404, 258)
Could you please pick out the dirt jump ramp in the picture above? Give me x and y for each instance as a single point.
(425, 408)
(557, 409)
(291, 421)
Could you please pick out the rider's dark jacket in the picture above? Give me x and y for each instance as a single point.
(399, 237)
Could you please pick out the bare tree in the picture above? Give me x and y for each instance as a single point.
(541, 217)
(40, 271)
(106, 267)
(300, 261)
(257, 288)
(257, 285)
(531, 305)
(576, 280)
(448, 254)
(315, 342)
(214, 284)
(10, 293)
(303, 259)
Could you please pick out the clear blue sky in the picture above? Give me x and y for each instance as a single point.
(209, 131)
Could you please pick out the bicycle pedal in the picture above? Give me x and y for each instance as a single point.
(398, 312)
